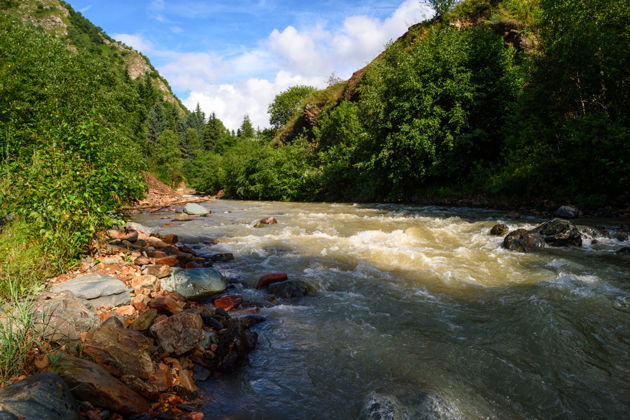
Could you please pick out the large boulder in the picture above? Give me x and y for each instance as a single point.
(500, 229)
(44, 396)
(559, 232)
(179, 333)
(383, 407)
(523, 241)
(195, 209)
(141, 228)
(90, 382)
(63, 316)
(434, 407)
(121, 351)
(567, 212)
(98, 289)
(290, 289)
(194, 283)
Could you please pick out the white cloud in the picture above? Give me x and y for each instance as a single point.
(233, 86)
(137, 42)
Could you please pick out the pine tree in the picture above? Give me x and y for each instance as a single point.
(247, 129)
(213, 131)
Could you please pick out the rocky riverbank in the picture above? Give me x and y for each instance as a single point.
(131, 331)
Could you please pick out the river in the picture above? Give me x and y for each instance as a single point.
(421, 307)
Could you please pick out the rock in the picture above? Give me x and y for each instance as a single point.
(179, 333)
(90, 382)
(183, 217)
(225, 257)
(141, 228)
(98, 289)
(383, 407)
(148, 282)
(523, 241)
(127, 310)
(559, 232)
(44, 396)
(623, 251)
(567, 212)
(144, 321)
(264, 222)
(140, 302)
(131, 236)
(170, 238)
(156, 242)
(157, 270)
(290, 289)
(142, 261)
(228, 302)
(433, 407)
(499, 229)
(171, 261)
(271, 278)
(147, 390)
(166, 305)
(621, 236)
(121, 351)
(63, 316)
(195, 209)
(194, 283)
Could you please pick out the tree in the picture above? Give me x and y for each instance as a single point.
(440, 6)
(247, 129)
(191, 144)
(167, 158)
(213, 131)
(287, 103)
(197, 120)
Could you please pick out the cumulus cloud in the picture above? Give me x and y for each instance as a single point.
(137, 42)
(246, 83)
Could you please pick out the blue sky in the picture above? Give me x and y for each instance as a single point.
(233, 57)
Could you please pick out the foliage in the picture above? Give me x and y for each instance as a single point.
(167, 158)
(246, 130)
(441, 7)
(287, 103)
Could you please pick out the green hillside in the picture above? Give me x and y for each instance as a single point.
(507, 100)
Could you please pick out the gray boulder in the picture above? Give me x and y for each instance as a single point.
(141, 228)
(290, 289)
(567, 212)
(194, 283)
(63, 316)
(98, 289)
(523, 241)
(195, 209)
(559, 232)
(383, 407)
(433, 407)
(44, 396)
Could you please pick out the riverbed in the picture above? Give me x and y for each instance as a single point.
(422, 307)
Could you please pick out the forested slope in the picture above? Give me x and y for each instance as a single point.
(500, 99)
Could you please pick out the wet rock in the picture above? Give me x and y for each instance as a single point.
(228, 302)
(156, 242)
(433, 407)
(90, 382)
(63, 316)
(121, 351)
(171, 261)
(567, 212)
(141, 228)
(559, 232)
(179, 333)
(499, 229)
(200, 373)
(623, 251)
(194, 283)
(167, 305)
(225, 257)
(523, 241)
(195, 209)
(159, 271)
(621, 236)
(44, 396)
(170, 238)
(98, 289)
(264, 222)
(144, 320)
(383, 407)
(183, 217)
(270, 278)
(290, 289)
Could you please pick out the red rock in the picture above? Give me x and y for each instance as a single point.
(141, 302)
(154, 253)
(253, 310)
(160, 271)
(142, 261)
(148, 282)
(269, 221)
(193, 265)
(156, 242)
(161, 378)
(181, 376)
(127, 310)
(228, 302)
(170, 238)
(166, 305)
(186, 249)
(90, 382)
(195, 416)
(267, 279)
(171, 261)
(179, 333)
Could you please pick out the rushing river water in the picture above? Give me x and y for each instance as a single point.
(420, 305)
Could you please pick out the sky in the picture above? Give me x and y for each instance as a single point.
(234, 56)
